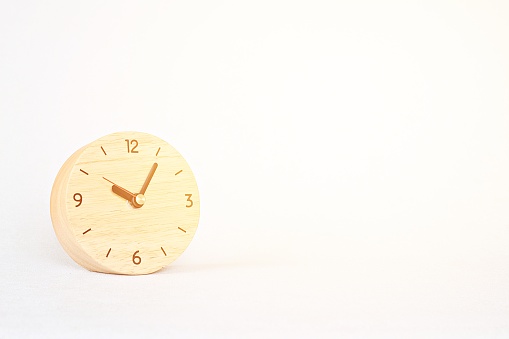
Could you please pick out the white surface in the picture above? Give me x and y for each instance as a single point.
(352, 159)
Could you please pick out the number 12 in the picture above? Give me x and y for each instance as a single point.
(132, 150)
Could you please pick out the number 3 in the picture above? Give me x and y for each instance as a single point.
(189, 199)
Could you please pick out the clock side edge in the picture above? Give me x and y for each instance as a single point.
(59, 218)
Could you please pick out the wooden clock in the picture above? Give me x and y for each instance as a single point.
(126, 203)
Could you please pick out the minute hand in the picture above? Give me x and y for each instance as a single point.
(149, 177)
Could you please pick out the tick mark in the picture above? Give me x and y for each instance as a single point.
(178, 172)
(108, 252)
(162, 249)
(83, 171)
(103, 151)
(158, 151)
(183, 230)
(87, 231)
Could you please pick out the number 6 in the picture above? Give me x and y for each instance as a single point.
(136, 259)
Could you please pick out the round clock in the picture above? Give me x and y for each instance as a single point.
(126, 203)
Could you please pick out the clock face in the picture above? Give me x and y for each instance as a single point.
(128, 204)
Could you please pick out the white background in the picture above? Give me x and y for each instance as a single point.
(352, 159)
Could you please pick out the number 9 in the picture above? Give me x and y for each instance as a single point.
(79, 200)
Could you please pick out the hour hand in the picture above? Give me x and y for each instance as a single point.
(123, 193)
(137, 200)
